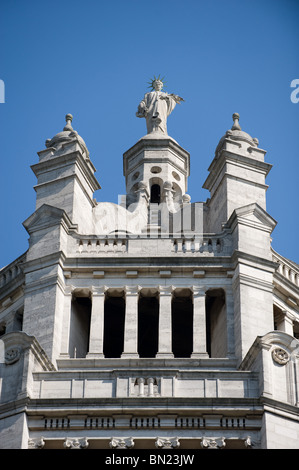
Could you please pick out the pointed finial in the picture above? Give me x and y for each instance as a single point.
(236, 125)
(68, 119)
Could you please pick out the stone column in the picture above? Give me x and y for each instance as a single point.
(165, 328)
(66, 323)
(199, 323)
(96, 337)
(131, 322)
(286, 323)
(230, 322)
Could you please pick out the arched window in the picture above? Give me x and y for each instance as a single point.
(155, 194)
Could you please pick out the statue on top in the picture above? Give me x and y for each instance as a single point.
(156, 107)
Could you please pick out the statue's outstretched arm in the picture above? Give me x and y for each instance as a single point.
(176, 98)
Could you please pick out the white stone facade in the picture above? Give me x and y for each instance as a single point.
(156, 323)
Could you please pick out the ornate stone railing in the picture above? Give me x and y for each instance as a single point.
(11, 271)
(287, 269)
(207, 245)
(102, 245)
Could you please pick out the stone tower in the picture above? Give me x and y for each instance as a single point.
(155, 323)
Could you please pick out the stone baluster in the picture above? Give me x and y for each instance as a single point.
(96, 337)
(199, 323)
(131, 322)
(141, 383)
(151, 383)
(165, 327)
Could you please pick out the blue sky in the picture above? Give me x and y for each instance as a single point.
(93, 59)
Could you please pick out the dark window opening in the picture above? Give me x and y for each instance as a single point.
(182, 326)
(80, 327)
(216, 329)
(148, 326)
(18, 320)
(155, 194)
(2, 330)
(114, 326)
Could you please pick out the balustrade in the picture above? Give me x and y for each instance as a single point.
(287, 271)
(193, 245)
(104, 245)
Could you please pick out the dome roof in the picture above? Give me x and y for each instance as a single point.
(236, 133)
(67, 135)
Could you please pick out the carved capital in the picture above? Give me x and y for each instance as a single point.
(198, 291)
(166, 290)
(132, 290)
(98, 291)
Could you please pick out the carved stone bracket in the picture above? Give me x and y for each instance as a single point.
(117, 443)
(37, 443)
(164, 443)
(248, 442)
(280, 356)
(76, 443)
(213, 443)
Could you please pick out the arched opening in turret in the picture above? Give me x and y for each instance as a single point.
(114, 326)
(148, 326)
(182, 324)
(155, 194)
(216, 323)
(80, 324)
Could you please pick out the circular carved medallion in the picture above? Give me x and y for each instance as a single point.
(12, 355)
(280, 356)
